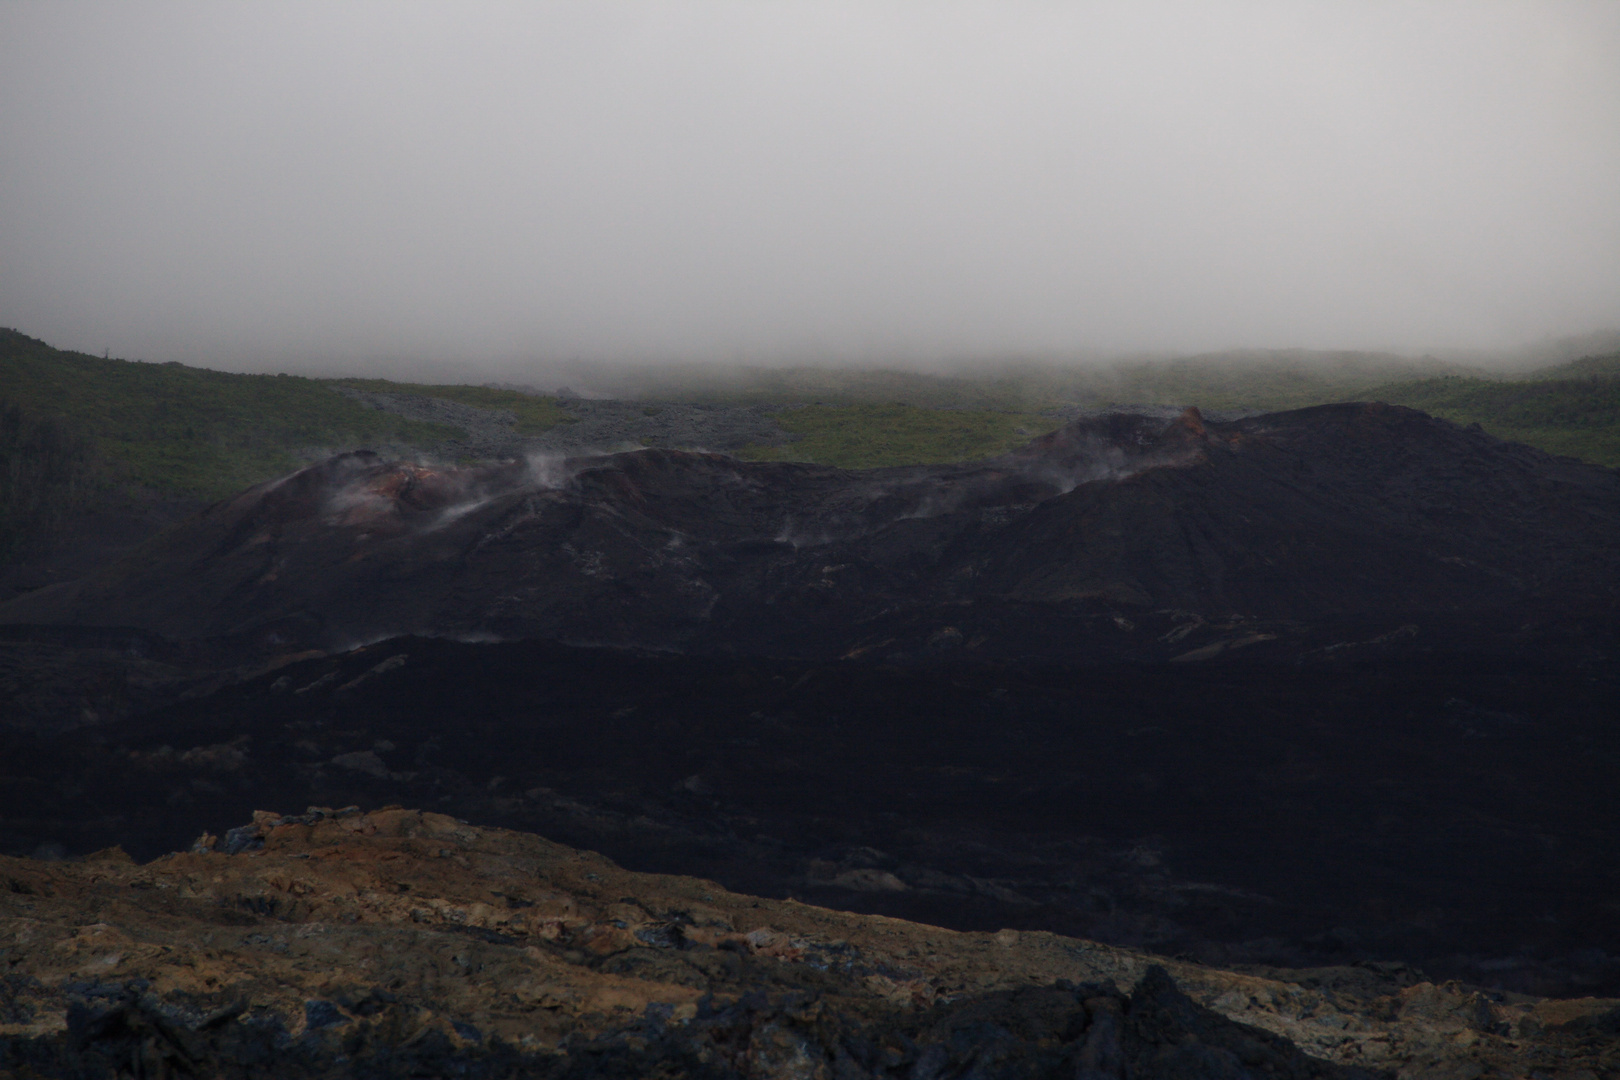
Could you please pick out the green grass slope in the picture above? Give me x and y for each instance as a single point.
(1240, 379)
(199, 433)
(1577, 416)
(865, 417)
(1267, 380)
(1011, 390)
(1572, 409)
(47, 473)
(1605, 366)
(534, 414)
(189, 431)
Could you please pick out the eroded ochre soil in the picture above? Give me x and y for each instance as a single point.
(399, 942)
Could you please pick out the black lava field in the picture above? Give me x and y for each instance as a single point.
(1317, 688)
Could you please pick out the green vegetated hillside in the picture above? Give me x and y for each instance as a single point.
(190, 431)
(1601, 366)
(868, 418)
(47, 473)
(1254, 380)
(534, 414)
(1572, 408)
(1246, 379)
(73, 424)
(863, 417)
(1007, 390)
(1574, 411)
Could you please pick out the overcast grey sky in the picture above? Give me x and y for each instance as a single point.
(286, 185)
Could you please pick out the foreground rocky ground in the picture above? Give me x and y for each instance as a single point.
(397, 942)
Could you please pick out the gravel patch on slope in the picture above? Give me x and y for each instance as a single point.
(491, 433)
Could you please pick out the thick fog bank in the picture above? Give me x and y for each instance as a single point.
(401, 185)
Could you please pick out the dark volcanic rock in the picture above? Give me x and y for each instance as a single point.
(1448, 812)
(1112, 537)
(912, 692)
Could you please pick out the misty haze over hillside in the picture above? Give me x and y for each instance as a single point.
(385, 188)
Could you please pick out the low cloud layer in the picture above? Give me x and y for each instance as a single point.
(319, 187)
